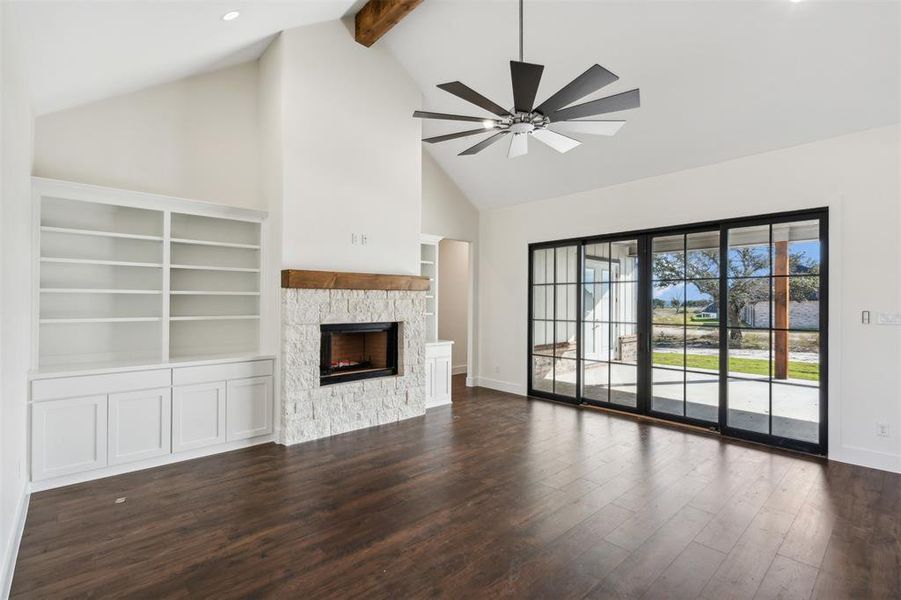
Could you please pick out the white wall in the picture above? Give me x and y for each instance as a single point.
(194, 138)
(352, 157)
(446, 211)
(453, 298)
(856, 176)
(16, 133)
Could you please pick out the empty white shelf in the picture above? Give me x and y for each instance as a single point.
(97, 233)
(215, 318)
(102, 320)
(211, 268)
(95, 291)
(211, 243)
(427, 262)
(91, 261)
(211, 293)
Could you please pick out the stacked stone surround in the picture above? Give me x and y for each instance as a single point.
(309, 411)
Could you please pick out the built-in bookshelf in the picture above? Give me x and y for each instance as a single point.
(130, 278)
(428, 267)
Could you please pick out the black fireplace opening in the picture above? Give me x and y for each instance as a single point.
(353, 351)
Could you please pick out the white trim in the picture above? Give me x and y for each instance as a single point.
(71, 190)
(470, 381)
(11, 549)
(112, 470)
(72, 371)
(501, 386)
(864, 457)
(459, 369)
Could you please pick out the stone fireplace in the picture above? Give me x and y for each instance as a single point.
(315, 303)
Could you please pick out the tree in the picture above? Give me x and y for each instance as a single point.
(744, 264)
(675, 303)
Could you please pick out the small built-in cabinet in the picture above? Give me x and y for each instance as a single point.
(249, 408)
(198, 415)
(68, 436)
(438, 360)
(89, 424)
(140, 425)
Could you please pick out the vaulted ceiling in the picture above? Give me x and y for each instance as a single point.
(719, 79)
(78, 51)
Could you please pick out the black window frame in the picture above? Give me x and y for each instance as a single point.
(643, 404)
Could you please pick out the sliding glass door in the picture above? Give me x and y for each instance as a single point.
(721, 325)
(553, 310)
(775, 325)
(685, 347)
(609, 357)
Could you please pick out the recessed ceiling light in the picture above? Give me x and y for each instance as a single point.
(231, 15)
(795, 1)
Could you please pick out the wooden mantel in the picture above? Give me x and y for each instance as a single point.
(335, 280)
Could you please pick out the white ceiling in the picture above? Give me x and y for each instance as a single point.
(77, 51)
(718, 80)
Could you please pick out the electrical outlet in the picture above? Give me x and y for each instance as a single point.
(353, 239)
(363, 239)
(882, 430)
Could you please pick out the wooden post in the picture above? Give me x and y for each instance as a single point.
(781, 307)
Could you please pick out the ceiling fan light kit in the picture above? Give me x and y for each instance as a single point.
(547, 122)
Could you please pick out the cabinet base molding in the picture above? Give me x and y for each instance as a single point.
(48, 484)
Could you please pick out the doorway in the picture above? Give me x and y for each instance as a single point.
(454, 300)
(721, 325)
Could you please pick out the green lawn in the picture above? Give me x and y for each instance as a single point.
(749, 366)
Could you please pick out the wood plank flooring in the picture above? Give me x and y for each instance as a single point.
(496, 496)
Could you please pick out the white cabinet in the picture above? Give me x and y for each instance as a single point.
(198, 415)
(68, 436)
(102, 423)
(249, 408)
(438, 370)
(140, 425)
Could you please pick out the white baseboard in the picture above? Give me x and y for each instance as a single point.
(470, 380)
(459, 369)
(47, 484)
(11, 549)
(864, 457)
(501, 386)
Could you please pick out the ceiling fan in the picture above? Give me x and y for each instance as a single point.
(543, 122)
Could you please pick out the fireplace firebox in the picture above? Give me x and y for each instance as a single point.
(355, 351)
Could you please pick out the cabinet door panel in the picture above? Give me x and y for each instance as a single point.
(198, 416)
(68, 436)
(249, 408)
(429, 381)
(442, 379)
(140, 425)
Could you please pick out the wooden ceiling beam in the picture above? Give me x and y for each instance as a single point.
(377, 17)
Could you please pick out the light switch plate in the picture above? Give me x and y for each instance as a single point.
(888, 318)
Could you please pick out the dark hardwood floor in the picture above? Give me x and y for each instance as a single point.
(496, 496)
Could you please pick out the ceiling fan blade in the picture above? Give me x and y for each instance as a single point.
(421, 114)
(590, 127)
(623, 101)
(483, 144)
(558, 142)
(470, 95)
(519, 145)
(525, 77)
(588, 82)
(453, 136)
